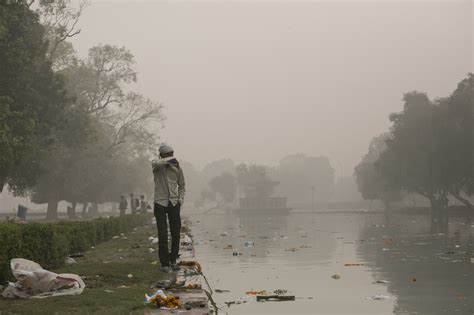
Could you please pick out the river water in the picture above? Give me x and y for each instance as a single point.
(413, 271)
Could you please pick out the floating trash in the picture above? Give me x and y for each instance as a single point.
(382, 281)
(378, 297)
(249, 244)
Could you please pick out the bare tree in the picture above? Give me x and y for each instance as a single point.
(60, 19)
(134, 122)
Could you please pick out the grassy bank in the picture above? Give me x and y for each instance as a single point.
(105, 270)
(50, 243)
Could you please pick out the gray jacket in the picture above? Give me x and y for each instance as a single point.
(169, 182)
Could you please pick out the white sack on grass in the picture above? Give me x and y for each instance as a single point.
(35, 282)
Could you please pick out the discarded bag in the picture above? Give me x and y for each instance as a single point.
(35, 282)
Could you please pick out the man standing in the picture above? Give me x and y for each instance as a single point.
(169, 197)
(143, 204)
(133, 208)
(123, 205)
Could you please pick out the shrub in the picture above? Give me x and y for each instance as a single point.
(50, 243)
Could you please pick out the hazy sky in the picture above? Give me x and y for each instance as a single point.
(258, 80)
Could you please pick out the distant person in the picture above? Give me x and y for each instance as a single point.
(137, 205)
(143, 204)
(169, 197)
(123, 205)
(133, 208)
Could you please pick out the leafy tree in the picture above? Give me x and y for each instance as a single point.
(60, 19)
(32, 99)
(414, 159)
(97, 82)
(298, 173)
(369, 181)
(457, 140)
(218, 167)
(224, 186)
(254, 182)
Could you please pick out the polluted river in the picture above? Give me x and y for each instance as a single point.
(336, 262)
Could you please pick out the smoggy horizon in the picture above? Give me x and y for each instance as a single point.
(257, 81)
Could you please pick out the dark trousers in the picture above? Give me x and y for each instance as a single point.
(174, 218)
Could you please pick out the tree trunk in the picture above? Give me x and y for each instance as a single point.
(94, 209)
(387, 205)
(74, 205)
(84, 209)
(53, 201)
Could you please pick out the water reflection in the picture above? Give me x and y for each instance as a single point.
(298, 252)
(428, 273)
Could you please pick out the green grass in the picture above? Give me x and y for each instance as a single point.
(104, 269)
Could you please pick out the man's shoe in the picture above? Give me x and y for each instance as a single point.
(174, 266)
(166, 269)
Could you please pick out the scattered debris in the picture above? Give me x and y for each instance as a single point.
(336, 277)
(129, 276)
(163, 301)
(197, 302)
(193, 286)
(378, 297)
(221, 291)
(382, 281)
(249, 244)
(280, 291)
(193, 264)
(76, 255)
(228, 247)
(292, 249)
(70, 261)
(353, 265)
(115, 237)
(254, 292)
(261, 298)
(109, 291)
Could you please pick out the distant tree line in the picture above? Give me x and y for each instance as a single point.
(428, 151)
(70, 128)
(222, 182)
